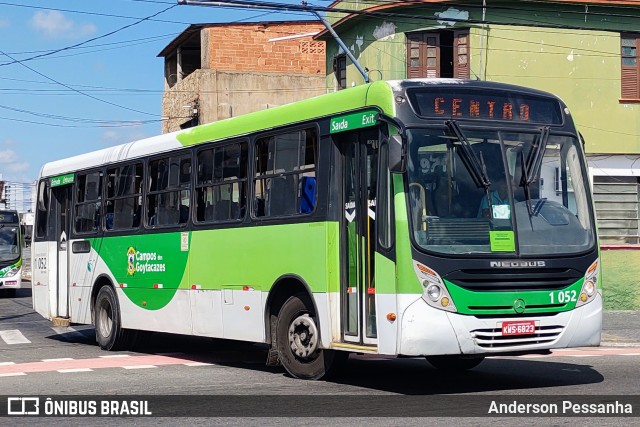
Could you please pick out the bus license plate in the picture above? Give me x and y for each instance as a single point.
(527, 327)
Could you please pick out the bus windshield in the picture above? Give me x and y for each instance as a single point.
(9, 243)
(535, 202)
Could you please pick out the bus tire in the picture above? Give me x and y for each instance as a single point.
(109, 332)
(8, 293)
(454, 363)
(298, 341)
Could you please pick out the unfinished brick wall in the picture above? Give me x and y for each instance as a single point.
(246, 47)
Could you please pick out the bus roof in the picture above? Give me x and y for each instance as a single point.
(380, 94)
(377, 93)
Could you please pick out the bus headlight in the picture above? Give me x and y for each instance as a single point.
(12, 272)
(590, 285)
(434, 291)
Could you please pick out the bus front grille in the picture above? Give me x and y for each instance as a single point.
(513, 279)
(493, 338)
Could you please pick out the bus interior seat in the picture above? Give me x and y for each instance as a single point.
(168, 215)
(225, 209)
(122, 220)
(184, 214)
(308, 194)
(208, 212)
(281, 196)
(109, 220)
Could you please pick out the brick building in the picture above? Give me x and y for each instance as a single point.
(216, 71)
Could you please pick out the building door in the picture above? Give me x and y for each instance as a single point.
(359, 155)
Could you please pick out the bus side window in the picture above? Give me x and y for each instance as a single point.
(42, 208)
(221, 182)
(284, 183)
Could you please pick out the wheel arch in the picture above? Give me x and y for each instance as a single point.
(282, 289)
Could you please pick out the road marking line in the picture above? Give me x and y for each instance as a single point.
(109, 356)
(198, 364)
(12, 374)
(628, 354)
(57, 360)
(139, 367)
(7, 363)
(65, 371)
(14, 336)
(586, 355)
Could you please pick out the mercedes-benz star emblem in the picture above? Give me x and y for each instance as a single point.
(519, 306)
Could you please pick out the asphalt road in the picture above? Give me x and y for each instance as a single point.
(41, 360)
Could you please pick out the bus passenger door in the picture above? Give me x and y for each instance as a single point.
(59, 220)
(359, 152)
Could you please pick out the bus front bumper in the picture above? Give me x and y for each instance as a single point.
(10, 283)
(429, 331)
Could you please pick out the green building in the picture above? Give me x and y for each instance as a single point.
(586, 52)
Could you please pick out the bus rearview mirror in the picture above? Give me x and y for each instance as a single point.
(397, 154)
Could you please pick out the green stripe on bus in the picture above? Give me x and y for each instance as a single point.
(501, 303)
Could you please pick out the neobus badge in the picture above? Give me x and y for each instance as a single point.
(516, 264)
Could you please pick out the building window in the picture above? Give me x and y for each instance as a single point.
(340, 70)
(169, 190)
(221, 183)
(630, 50)
(438, 54)
(617, 204)
(285, 181)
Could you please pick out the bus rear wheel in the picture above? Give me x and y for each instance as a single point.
(298, 341)
(454, 363)
(109, 332)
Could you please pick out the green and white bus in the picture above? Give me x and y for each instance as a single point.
(440, 218)
(10, 252)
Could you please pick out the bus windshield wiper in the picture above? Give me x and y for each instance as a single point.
(476, 168)
(531, 167)
(469, 158)
(534, 161)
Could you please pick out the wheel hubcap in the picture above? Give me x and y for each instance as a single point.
(105, 322)
(303, 336)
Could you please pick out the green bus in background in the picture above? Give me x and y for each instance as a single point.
(441, 218)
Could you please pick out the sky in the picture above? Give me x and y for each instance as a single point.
(101, 93)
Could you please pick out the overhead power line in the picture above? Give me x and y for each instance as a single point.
(110, 33)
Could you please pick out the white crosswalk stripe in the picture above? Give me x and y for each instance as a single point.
(14, 336)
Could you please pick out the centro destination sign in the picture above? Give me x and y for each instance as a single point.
(353, 121)
(57, 181)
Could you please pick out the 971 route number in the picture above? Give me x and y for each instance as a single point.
(563, 297)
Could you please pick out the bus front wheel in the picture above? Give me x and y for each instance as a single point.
(109, 332)
(453, 362)
(298, 341)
